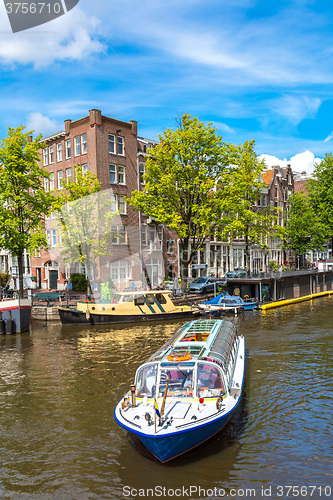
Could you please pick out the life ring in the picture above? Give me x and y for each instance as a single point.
(175, 357)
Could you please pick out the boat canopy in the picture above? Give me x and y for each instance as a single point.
(208, 339)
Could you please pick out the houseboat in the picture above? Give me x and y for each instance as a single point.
(188, 390)
(127, 307)
(14, 315)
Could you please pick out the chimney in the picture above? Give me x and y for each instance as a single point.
(95, 117)
(134, 127)
(29, 138)
(67, 126)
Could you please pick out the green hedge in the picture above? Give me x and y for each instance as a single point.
(79, 282)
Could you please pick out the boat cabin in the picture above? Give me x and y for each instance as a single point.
(197, 362)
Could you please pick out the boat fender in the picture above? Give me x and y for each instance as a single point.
(174, 357)
(2, 327)
(10, 326)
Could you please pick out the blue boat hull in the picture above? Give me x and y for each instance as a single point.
(166, 448)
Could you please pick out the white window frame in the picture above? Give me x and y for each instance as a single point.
(113, 170)
(121, 175)
(52, 181)
(112, 144)
(122, 205)
(84, 148)
(59, 151)
(68, 149)
(48, 238)
(45, 156)
(51, 154)
(60, 176)
(46, 185)
(77, 145)
(120, 145)
(68, 174)
(84, 169)
(142, 171)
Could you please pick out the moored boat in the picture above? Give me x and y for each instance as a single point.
(14, 315)
(126, 307)
(188, 390)
(227, 303)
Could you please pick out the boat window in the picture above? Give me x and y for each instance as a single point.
(146, 381)
(160, 298)
(180, 379)
(128, 298)
(210, 381)
(139, 301)
(149, 299)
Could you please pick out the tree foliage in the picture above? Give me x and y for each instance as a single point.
(23, 200)
(180, 183)
(321, 193)
(242, 192)
(304, 229)
(84, 215)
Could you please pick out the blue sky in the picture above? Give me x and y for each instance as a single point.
(256, 69)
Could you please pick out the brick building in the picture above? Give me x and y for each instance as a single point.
(112, 150)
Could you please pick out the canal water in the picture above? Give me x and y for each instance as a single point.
(59, 440)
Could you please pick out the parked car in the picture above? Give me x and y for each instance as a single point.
(235, 274)
(204, 285)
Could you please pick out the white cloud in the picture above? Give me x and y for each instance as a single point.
(42, 124)
(329, 137)
(69, 37)
(301, 162)
(296, 108)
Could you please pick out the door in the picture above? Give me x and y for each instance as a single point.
(53, 277)
(39, 277)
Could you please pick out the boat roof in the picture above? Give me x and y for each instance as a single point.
(143, 292)
(204, 339)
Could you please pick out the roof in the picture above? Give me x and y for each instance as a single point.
(267, 177)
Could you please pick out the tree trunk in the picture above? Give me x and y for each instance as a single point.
(247, 253)
(184, 260)
(20, 268)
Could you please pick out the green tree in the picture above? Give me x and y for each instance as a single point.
(243, 189)
(304, 229)
(320, 189)
(84, 215)
(182, 173)
(23, 200)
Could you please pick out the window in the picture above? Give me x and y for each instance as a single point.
(60, 177)
(119, 235)
(45, 156)
(122, 204)
(113, 174)
(68, 174)
(120, 270)
(142, 172)
(120, 146)
(54, 237)
(48, 238)
(46, 185)
(51, 156)
(121, 174)
(52, 181)
(68, 149)
(170, 246)
(144, 238)
(77, 146)
(59, 151)
(83, 144)
(112, 144)
(84, 169)
(114, 203)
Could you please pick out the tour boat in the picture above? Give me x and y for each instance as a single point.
(127, 307)
(14, 315)
(188, 390)
(226, 303)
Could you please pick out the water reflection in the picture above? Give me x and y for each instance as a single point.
(59, 386)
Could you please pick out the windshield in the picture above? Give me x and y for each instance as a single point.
(146, 380)
(199, 280)
(180, 381)
(210, 381)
